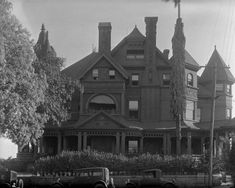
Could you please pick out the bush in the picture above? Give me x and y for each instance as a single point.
(70, 160)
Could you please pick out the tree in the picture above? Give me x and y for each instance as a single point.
(21, 89)
(178, 76)
(60, 88)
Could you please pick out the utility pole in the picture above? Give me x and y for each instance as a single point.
(212, 125)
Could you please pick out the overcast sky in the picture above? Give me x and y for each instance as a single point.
(73, 24)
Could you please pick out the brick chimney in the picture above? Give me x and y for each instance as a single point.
(151, 23)
(105, 37)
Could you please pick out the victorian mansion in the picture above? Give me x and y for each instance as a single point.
(123, 101)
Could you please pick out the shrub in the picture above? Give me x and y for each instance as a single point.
(70, 160)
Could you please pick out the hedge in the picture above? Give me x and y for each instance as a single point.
(70, 160)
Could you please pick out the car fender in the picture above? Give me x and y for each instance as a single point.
(100, 182)
(169, 185)
(131, 185)
(57, 185)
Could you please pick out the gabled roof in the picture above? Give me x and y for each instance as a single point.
(77, 70)
(102, 115)
(223, 73)
(136, 35)
(190, 61)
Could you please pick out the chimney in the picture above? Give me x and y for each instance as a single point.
(151, 23)
(104, 37)
(166, 53)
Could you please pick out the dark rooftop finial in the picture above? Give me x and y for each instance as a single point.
(43, 27)
(215, 47)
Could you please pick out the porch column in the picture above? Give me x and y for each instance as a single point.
(168, 143)
(118, 142)
(79, 141)
(189, 143)
(164, 144)
(64, 143)
(59, 138)
(84, 141)
(203, 149)
(123, 149)
(141, 144)
(123, 104)
(42, 148)
(216, 144)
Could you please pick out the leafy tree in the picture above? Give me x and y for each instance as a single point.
(21, 89)
(60, 88)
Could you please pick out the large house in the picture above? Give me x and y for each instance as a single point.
(123, 102)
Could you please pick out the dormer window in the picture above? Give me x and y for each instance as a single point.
(95, 74)
(135, 54)
(111, 74)
(135, 79)
(166, 79)
(190, 80)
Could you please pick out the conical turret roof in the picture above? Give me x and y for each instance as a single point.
(43, 47)
(223, 72)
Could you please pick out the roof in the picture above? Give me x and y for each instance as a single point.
(223, 72)
(136, 35)
(77, 70)
(217, 125)
(189, 60)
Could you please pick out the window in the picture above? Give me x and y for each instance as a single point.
(135, 79)
(190, 110)
(135, 54)
(133, 109)
(102, 102)
(111, 74)
(219, 87)
(166, 79)
(95, 74)
(132, 146)
(228, 113)
(190, 80)
(229, 88)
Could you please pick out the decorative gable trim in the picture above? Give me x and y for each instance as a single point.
(118, 67)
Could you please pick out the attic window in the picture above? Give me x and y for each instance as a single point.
(135, 79)
(95, 74)
(135, 54)
(111, 74)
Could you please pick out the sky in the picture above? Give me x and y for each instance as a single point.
(73, 25)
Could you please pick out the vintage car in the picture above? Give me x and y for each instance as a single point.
(150, 178)
(8, 179)
(96, 177)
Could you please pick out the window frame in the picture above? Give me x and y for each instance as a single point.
(228, 113)
(192, 111)
(95, 74)
(219, 87)
(132, 110)
(165, 80)
(112, 76)
(190, 81)
(135, 82)
(135, 54)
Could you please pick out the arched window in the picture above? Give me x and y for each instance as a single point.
(190, 79)
(102, 102)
